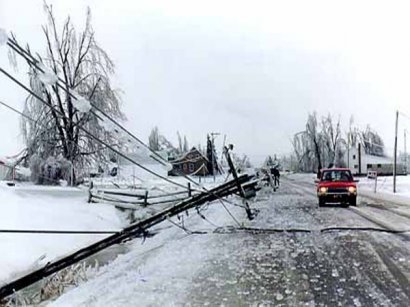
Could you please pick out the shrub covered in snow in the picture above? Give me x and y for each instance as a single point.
(51, 170)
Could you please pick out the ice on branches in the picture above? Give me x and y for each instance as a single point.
(80, 103)
(46, 75)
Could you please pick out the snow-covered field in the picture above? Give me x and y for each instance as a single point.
(47, 208)
(385, 188)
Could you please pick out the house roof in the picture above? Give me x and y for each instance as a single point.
(184, 156)
(371, 159)
(335, 169)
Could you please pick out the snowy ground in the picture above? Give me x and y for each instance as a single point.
(233, 267)
(47, 208)
(385, 185)
(384, 189)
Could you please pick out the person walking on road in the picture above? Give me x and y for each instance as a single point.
(276, 176)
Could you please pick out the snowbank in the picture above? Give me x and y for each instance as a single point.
(34, 207)
(385, 186)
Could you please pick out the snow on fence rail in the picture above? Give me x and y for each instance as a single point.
(132, 198)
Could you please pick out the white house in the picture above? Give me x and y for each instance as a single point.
(362, 163)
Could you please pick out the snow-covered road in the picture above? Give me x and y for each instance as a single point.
(234, 267)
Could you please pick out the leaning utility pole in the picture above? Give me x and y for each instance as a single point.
(359, 154)
(348, 150)
(405, 150)
(213, 135)
(395, 153)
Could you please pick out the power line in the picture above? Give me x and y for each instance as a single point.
(232, 216)
(89, 133)
(36, 122)
(222, 201)
(31, 60)
(74, 232)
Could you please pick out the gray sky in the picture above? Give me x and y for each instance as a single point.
(250, 69)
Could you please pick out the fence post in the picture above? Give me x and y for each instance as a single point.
(146, 198)
(375, 184)
(90, 194)
(189, 190)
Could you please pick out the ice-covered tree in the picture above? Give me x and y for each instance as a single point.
(269, 161)
(85, 69)
(180, 144)
(211, 156)
(153, 139)
(332, 142)
(158, 142)
(320, 144)
(186, 145)
(314, 136)
(372, 142)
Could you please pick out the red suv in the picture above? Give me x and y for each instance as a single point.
(336, 185)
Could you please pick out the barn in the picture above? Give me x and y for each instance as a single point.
(363, 163)
(191, 163)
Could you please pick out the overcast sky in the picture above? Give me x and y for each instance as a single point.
(250, 69)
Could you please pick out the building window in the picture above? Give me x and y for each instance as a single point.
(354, 157)
(369, 166)
(185, 167)
(191, 167)
(379, 165)
(356, 166)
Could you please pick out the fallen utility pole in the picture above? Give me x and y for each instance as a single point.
(238, 183)
(130, 232)
(395, 152)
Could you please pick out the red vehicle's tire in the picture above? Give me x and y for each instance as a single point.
(353, 202)
(321, 202)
